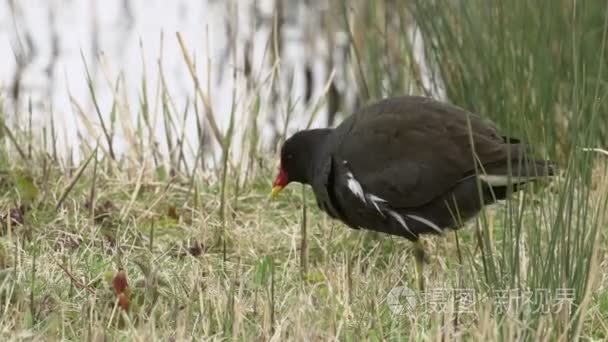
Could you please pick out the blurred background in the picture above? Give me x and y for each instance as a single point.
(64, 58)
(115, 70)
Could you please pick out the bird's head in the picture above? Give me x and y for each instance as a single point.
(297, 158)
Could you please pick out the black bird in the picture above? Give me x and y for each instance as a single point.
(408, 166)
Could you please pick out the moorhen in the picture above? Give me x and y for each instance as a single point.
(408, 166)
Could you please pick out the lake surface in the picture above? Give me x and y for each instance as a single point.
(44, 46)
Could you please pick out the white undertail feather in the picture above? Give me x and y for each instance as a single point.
(502, 180)
(427, 222)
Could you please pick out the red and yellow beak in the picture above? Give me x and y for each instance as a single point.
(279, 183)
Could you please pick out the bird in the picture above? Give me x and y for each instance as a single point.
(408, 166)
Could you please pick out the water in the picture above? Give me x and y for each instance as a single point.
(44, 46)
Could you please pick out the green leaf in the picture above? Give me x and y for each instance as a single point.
(263, 270)
(25, 187)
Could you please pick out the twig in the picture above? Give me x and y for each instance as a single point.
(76, 282)
(68, 189)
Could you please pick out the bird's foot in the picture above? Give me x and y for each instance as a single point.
(419, 252)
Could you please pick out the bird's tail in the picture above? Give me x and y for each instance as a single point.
(522, 168)
(508, 177)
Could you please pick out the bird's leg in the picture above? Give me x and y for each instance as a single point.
(420, 257)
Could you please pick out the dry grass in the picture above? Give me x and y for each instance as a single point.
(58, 267)
(205, 255)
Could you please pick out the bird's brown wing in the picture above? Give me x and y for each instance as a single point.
(411, 150)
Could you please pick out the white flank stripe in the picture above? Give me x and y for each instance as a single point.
(399, 219)
(355, 187)
(375, 200)
(427, 222)
(501, 180)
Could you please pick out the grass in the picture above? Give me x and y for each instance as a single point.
(58, 266)
(205, 254)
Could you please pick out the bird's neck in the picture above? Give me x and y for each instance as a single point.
(318, 152)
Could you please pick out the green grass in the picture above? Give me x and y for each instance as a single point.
(207, 255)
(58, 265)
(538, 70)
